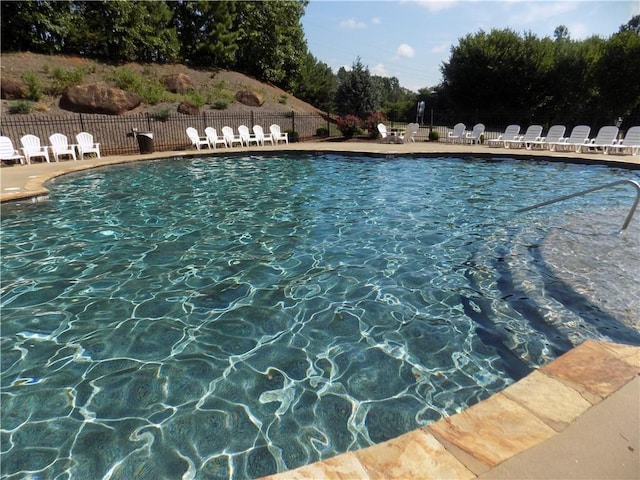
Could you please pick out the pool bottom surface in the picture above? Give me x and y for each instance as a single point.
(233, 318)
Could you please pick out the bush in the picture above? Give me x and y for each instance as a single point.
(65, 78)
(161, 115)
(21, 106)
(433, 136)
(34, 87)
(322, 132)
(348, 125)
(293, 136)
(371, 123)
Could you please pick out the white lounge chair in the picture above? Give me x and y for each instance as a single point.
(382, 129)
(60, 147)
(410, 131)
(606, 138)
(457, 135)
(277, 134)
(85, 145)
(630, 141)
(196, 140)
(531, 135)
(474, 136)
(260, 136)
(246, 136)
(31, 148)
(213, 138)
(8, 153)
(230, 137)
(510, 133)
(554, 135)
(579, 136)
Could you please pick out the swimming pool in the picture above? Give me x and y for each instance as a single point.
(234, 317)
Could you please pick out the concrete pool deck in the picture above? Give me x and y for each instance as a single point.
(577, 417)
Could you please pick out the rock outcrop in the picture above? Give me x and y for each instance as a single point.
(98, 99)
(250, 98)
(178, 83)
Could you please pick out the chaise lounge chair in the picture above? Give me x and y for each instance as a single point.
(630, 141)
(86, 145)
(457, 135)
(260, 136)
(531, 135)
(606, 137)
(510, 133)
(60, 147)
(8, 153)
(31, 148)
(196, 140)
(473, 137)
(579, 136)
(213, 138)
(554, 135)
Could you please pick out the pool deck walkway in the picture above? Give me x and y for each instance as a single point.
(577, 417)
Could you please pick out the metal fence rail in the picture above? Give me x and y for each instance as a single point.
(169, 134)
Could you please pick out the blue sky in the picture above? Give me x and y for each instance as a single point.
(410, 39)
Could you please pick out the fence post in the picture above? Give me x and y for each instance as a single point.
(148, 122)
(81, 123)
(252, 119)
(293, 120)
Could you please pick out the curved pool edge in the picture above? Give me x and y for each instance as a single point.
(576, 417)
(23, 182)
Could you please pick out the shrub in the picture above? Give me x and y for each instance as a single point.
(34, 87)
(348, 125)
(283, 99)
(371, 123)
(434, 136)
(161, 115)
(293, 136)
(65, 78)
(322, 132)
(21, 106)
(220, 105)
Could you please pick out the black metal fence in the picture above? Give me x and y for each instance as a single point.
(114, 133)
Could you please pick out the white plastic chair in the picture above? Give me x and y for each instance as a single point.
(382, 128)
(230, 137)
(579, 136)
(85, 145)
(410, 131)
(457, 134)
(7, 152)
(260, 136)
(31, 148)
(246, 136)
(277, 134)
(473, 137)
(532, 134)
(510, 133)
(554, 135)
(630, 141)
(607, 137)
(196, 139)
(213, 138)
(60, 147)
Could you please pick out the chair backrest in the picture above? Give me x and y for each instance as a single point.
(58, 140)
(30, 142)
(382, 128)
(243, 131)
(275, 130)
(632, 137)
(258, 132)
(84, 138)
(511, 131)
(211, 133)
(555, 133)
(579, 134)
(192, 133)
(458, 129)
(6, 147)
(606, 135)
(533, 133)
(478, 129)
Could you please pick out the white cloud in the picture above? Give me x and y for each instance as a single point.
(380, 70)
(405, 50)
(437, 5)
(352, 24)
(440, 48)
(376, 21)
(535, 12)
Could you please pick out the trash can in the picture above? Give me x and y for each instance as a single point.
(145, 141)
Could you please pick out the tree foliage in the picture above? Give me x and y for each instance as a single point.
(355, 93)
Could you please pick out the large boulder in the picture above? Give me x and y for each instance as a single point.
(98, 99)
(178, 83)
(12, 89)
(250, 98)
(188, 108)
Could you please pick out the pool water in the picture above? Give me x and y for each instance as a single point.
(236, 317)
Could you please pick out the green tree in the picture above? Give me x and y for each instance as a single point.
(355, 93)
(315, 83)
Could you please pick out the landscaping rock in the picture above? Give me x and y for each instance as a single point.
(178, 83)
(250, 98)
(12, 89)
(188, 108)
(98, 99)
